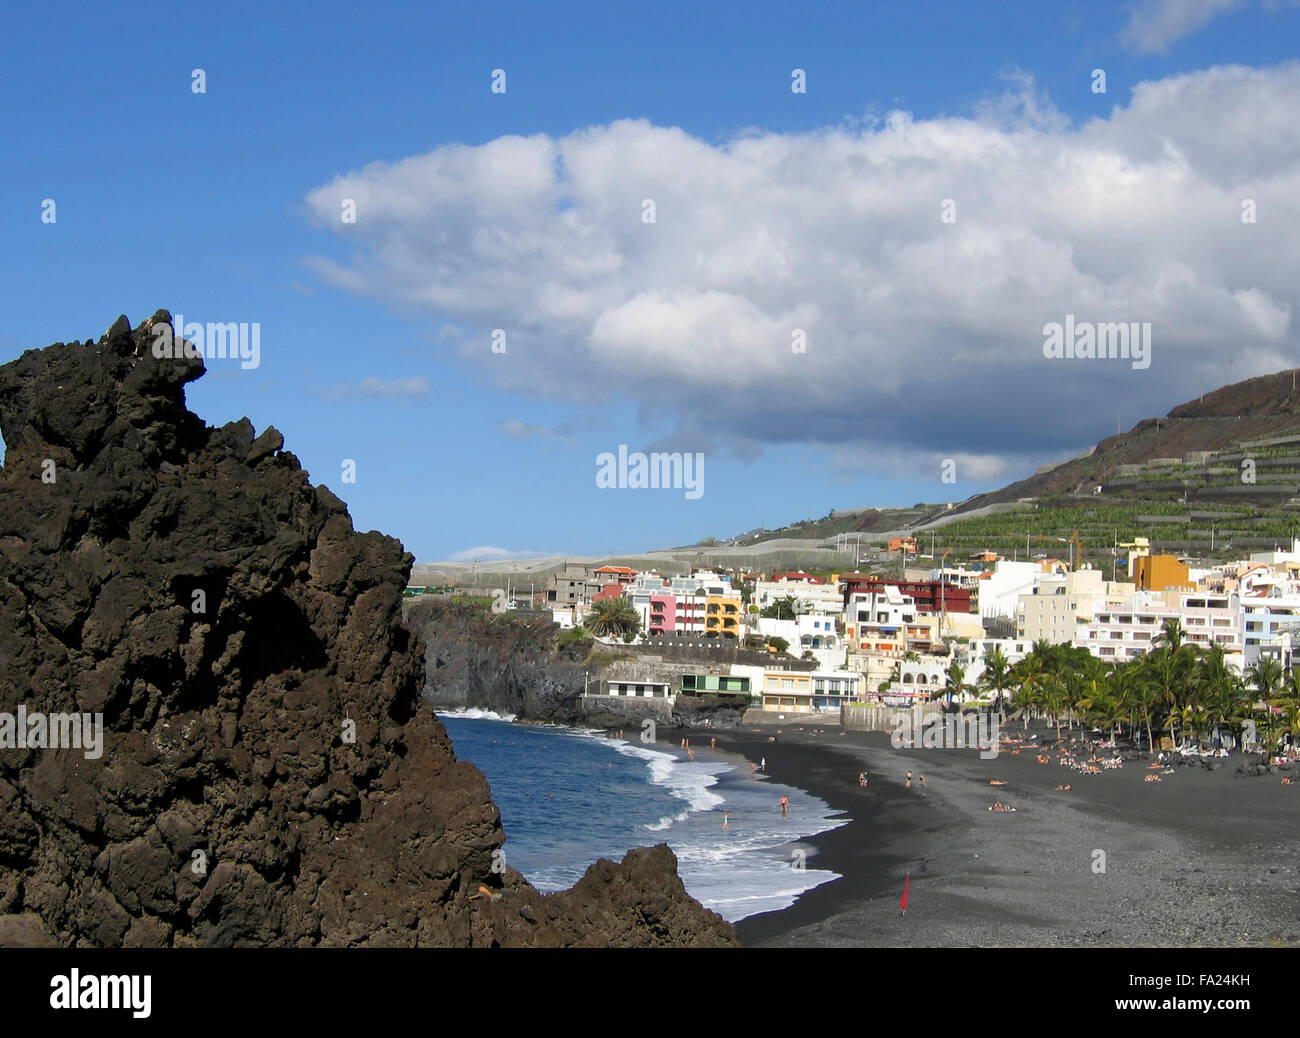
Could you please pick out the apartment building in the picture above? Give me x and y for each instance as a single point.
(802, 692)
(884, 621)
(809, 597)
(1060, 602)
(1125, 630)
(1268, 623)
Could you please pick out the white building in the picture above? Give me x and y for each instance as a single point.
(1279, 558)
(1266, 619)
(927, 676)
(809, 598)
(999, 593)
(639, 689)
(1119, 634)
(801, 692)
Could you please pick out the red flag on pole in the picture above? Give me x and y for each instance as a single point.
(907, 880)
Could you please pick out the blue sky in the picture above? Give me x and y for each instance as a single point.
(523, 211)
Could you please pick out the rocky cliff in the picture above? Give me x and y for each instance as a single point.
(269, 774)
(499, 662)
(512, 664)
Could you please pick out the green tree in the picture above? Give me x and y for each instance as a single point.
(614, 617)
(782, 609)
(956, 680)
(996, 678)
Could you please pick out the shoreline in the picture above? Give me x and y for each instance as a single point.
(738, 870)
(1202, 858)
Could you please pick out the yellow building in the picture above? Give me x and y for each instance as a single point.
(1159, 573)
(722, 616)
(790, 691)
(801, 692)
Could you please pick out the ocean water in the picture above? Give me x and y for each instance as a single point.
(568, 797)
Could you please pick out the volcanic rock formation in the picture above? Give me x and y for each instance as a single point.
(269, 775)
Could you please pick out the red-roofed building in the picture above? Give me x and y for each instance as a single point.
(608, 591)
(795, 575)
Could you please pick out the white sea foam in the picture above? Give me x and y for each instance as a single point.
(473, 713)
(745, 870)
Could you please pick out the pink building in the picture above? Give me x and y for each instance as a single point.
(663, 614)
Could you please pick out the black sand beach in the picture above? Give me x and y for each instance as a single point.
(1200, 858)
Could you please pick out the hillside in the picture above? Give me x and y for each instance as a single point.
(1259, 408)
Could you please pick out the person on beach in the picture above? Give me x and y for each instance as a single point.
(725, 818)
(785, 806)
(922, 781)
(909, 780)
(763, 765)
(713, 743)
(690, 754)
(752, 770)
(862, 778)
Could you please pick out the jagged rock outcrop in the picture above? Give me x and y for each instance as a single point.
(269, 774)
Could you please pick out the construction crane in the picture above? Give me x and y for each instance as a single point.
(1076, 546)
(943, 604)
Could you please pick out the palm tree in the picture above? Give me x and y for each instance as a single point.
(1099, 706)
(614, 617)
(1030, 675)
(1142, 692)
(1171, 634)
(1266, 675)
(1216, 688)
(956, 678)
(1162, 672)
(1054, 699)
(996, 677)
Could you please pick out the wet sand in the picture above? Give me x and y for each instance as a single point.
(1200, 858)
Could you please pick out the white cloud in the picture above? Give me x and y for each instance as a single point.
(923, 338)
(1155, 24)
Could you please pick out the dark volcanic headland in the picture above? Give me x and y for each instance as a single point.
(525, 666)
(269, 772)
(499, 662)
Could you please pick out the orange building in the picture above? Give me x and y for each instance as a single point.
(1159, 573)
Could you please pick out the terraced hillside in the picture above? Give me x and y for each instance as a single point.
(1216, 477)
(1258, 409)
